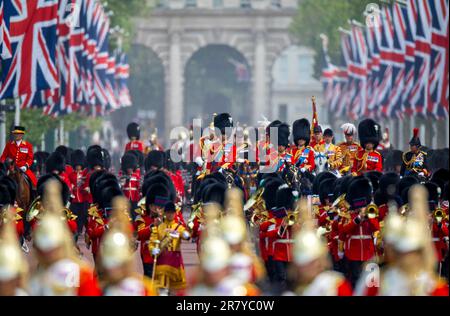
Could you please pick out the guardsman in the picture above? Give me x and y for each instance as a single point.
(66, 152)
(116, 257)
(79, 202)
(311, 265)
(367, 158)
(281, 158)
(303, 154)
(56, 164)
(415, 160)
(349, 148)
(134, 134)
(165, 246)
(13, 265)
(358, 231)
(95, 162)
(60, 272)
(21, 153)
(386, 192)
(411, 268)
(130, 179)
(147, 221)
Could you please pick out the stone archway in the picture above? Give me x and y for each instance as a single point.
(217, 79)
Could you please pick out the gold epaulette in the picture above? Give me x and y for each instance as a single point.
(69, 214)
(407, 163)
(425, 153)
(140, 211)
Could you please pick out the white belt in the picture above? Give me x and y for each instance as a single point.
(129, 189)
(284, 241)
(361, 237)
(436, 239)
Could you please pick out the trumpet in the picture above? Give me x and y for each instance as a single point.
(195, 213)
(288, 221)
(258, 217)
(372, 210)
(439, 215)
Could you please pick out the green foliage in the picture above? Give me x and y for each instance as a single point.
(124, 10)
(326, 16)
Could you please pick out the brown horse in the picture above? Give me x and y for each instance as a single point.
(24, 192)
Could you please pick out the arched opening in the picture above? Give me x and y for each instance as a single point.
(147, 91)
(217, 79)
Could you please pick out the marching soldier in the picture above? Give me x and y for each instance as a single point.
(367, 158)
(134, 134)
(59, 272)
(303, 154)
(7, 201)
(225, 154)
(358, 231)
(56, 164)
(349, 148)
(415, 160)
(130, 179)
(95, 162)
(21, 153)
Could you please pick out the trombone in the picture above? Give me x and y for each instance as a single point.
(288, 221)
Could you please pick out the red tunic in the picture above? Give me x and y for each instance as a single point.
(22, 155)
(78, 179)
(143, 226)
(281, 244)
(96, 228)
(358, 238)
(135, 145)
(367, 161)
(265, 242)
(303, 157)
(131, 188)
(439, 233)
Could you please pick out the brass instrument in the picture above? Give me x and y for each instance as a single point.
(439, 215)
(404, 210)
(35, 209)
(256, 206)
(288, 221)
(195, 213)
(372, 210)
(341, 205)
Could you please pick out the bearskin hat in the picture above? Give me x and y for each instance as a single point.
(106, 159)
(107, 195)
(218, 176)
(301, 129)
(170, 207)
(283, 135)
(200, 190)
(93, 178)
(415, 140)
(95, 157)
(39, 159)
(215, 193)
(55, 162)
(369, 132)
(275, 123)
(374, 177)
(286, 197)
(396, 157)
(326, 190)
(270, 192)
(433, 194)
(359, 193)
(222, 121)
(440, 177)
(65, 191)
(157, 194)
(133, 130)
(5, 197)
(9, 183)
(406, 182)
(128, 161)
(78, 158)
(65, 152)
(155, 159)
(319, 178)
(263, 178)
(148, 182)
(388, 183)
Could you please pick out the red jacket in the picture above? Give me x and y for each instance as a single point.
(135, 145)
(22, 155)
(304, 158)
(95, 229)
(281, 244)
(78, 179)
(367, 161)
(358, 238)
(439, 233)
(131, 188)
(143, 226)
(265, 242)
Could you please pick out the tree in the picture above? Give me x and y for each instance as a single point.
(324, 16)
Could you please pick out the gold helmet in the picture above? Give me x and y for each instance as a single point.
(234, 230)
(393, 225)
(115, 248)
(215, 254)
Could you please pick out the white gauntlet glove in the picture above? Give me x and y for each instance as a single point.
(303, 170)
(156, 251)
(186, 235)
(24, 168)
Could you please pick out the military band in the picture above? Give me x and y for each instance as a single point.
(306, 218)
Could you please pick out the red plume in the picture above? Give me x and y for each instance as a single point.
(416, 132)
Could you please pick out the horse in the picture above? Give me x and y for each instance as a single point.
(24, 193)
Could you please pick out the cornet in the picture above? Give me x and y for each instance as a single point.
(288, 221)
(439, 215)
(372, 210)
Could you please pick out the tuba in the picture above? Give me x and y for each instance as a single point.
(255, 207)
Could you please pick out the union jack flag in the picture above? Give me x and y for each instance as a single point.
(410, 46)
(439, 58)
(33, 44)
(373, 68)
(5, 40)
(122, 75)
(358, 69)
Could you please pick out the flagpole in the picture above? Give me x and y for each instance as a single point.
(17, 112)
(2, 126)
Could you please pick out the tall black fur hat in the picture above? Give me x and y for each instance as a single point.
(215, 193)
(95, 157)
(9, 183)
(359, 193)
(286, 197)
(270, 192)
(374, 177)
(133, 130)
(65, 191)
(283, 135)
(78, 158)
(157, 194)
(107, 195)
(319, 178)
(369, 132)
(55, 162)
(128, 161)
(326, 190)
(301, 129)
(222, 121)
(155, 158)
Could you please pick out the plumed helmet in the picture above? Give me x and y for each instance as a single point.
(78, 158)
(55, 162)
(301, 129)
(128, 161)
(348, 129)
(133, 130)
(415, 140)
(222, 121)
(359, 193)
(369, 132)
